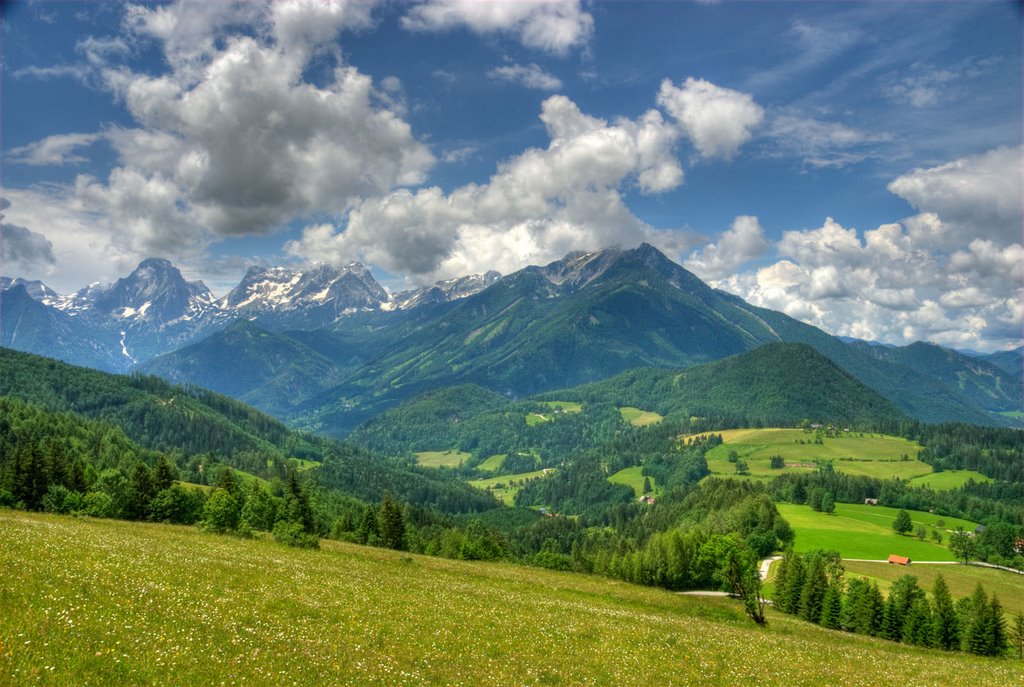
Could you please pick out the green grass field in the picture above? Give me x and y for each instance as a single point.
(441, 459)
(565, 406)
(94, 602)
(506, 487)
(859, 531)
(962, 579)
(871, 455)
(493, 463)
(534, 419)
(633, 478)
(949, 479)
(639, 418)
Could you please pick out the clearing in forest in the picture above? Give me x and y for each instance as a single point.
(638, 417)
(441, 459)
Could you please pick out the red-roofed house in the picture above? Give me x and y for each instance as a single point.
(899, 560)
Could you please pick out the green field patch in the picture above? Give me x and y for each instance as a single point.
(949, 479)
(506, 487)
(493, 463)
(861, 531)
(565, 406)
(961, 579)
(534, 419)
(852, 453)
(102, 602)
(633, 478)
(441, 459)
(638, 417)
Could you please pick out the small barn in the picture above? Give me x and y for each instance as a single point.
(870, 502)
(898, 560)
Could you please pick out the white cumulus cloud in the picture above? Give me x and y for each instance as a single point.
(531, 76)
(555, 26)
(538, 206)
(718, 120)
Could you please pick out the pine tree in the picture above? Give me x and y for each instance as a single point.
(1017, 635)
(813, 593)
(141, 491)
(795, 576)
(164, 473)
(946, 625)
(977, 638)
(390, 523)
(997, 638)
(902, 595)
(918, 626)
(869, 618)
(853, 600)
(832, 608)
(368, 532)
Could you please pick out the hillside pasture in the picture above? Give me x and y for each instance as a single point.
(492, 463)
(852, 453)
(949, 479)
(99, 602)
(506, 487)
(441, 459)
(861, 531)
(565, 406)
(638, 417)
(634, 479)
(961, 579)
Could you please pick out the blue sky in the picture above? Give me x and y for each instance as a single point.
(856, 165)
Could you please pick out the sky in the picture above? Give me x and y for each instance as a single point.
(857, 166)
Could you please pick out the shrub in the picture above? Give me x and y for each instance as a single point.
(292, 534)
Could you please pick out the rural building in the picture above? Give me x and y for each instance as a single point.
(870, 502)
(979, 529)
(646, 499)
(898, 560)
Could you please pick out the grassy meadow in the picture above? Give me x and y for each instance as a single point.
(949, 479)
(638, 417)
(859, 531)
(493, 463)
(961, 579)
(633, 477)
(871, 455)
(95, 602)
(506, 487)
(441, 459)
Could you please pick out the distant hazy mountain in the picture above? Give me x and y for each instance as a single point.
(1008, 361)
(986, 384)
(269, 371)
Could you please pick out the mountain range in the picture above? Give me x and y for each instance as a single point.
(326, 348)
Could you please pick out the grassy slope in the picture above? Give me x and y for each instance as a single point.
(859, 531)
(633, 478)
(512, 484)
(441, 459)
(638, 417)
(949, 479)
(962, 579)
(872, 455)
(103, 602)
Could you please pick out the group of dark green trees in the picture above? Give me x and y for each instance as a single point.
(812, 586)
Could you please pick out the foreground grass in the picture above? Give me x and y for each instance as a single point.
(859, 531)
(102, 603)
(962, 579)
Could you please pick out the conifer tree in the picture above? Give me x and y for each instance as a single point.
(832, 608)
(918, 626)
(946, 625)
(1017, 635)
(164, 473)
(390, 523)
(977, 638)
(813, 593)
(853, 600)
(795, 576)
(997, 638)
